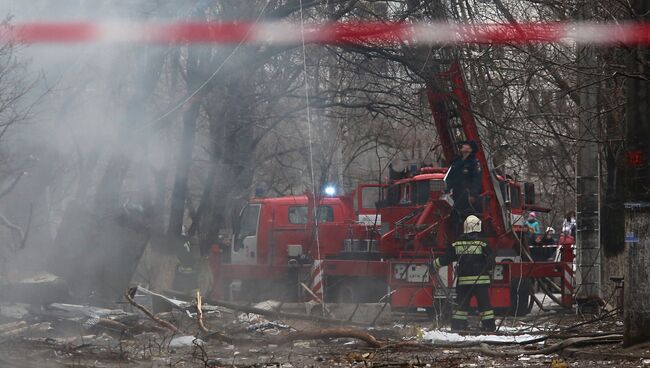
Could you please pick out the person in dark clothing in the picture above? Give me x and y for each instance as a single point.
(475, 262)
(464, 181)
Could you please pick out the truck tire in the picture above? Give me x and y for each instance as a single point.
(346, 292)
(359, 290)
(520, 300)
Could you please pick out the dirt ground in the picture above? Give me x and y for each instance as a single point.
(405, 342)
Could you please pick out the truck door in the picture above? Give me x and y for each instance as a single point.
(244, 247)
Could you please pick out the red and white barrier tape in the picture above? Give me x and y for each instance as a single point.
(317, 279)
(282, 33)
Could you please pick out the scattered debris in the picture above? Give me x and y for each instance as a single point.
(263, 335)
(175, 303)
(129, 296)
(266, 326)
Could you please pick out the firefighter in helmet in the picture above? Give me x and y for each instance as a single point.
(475, 262)
(464, 182)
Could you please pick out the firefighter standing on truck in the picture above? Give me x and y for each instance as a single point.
(464, 181)
(475, 262)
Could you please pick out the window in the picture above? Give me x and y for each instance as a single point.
(298, 214)
(369, 197)
(393, 196)
(248, 220)
(422, 192)
(325, 214)
(405, 196)
(514, 197)
(437, 185)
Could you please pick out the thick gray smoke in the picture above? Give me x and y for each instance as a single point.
(129, 145)
(89, 121)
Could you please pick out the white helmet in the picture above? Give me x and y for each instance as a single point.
(472, 224)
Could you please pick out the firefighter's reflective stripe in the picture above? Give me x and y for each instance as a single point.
(459, 315)
(436, 263)
(469, 247)
(488, 314)
(470, 242)
(473, 280)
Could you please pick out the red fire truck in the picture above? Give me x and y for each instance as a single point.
(378, 241)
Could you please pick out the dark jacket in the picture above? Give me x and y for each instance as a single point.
(474, 257)
(464, 179)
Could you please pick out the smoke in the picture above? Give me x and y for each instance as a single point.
(91, 134)
(105, 124)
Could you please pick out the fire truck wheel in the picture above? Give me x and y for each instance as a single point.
(359, 290)
(520, 300)
(346, 293)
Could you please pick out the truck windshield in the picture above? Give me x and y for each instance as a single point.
(248, 220)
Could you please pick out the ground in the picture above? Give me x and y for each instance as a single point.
(407, 340)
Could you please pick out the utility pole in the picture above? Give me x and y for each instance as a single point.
(588, 178)
(637, 191)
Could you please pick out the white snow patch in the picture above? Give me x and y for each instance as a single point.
(183, 341)
(523, 328)
(448, 336)
(268, 305)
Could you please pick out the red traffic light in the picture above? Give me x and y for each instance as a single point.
(635, 158)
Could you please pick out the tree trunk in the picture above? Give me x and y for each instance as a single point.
(98, 245)
(164, 253)
(637, 277)
(637, 192)
(588, 180)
